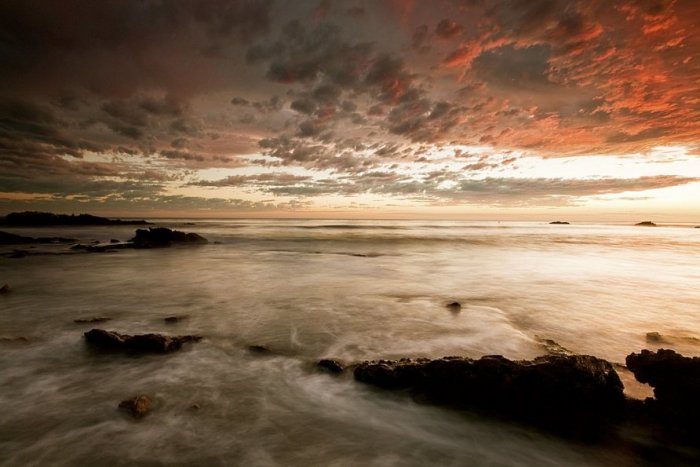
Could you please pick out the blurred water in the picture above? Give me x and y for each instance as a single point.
(353, 290)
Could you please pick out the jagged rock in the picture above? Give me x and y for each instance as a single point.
(39, 219)
(559, 223)
(553, 347)
(163, 237)
(676, 383)
(5, 289)
(570, 393)
(454, 307)
(140, 343)
(646, 224)
(100, 319)
(331, 365)
(138, 406)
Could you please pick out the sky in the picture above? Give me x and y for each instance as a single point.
(473, 109)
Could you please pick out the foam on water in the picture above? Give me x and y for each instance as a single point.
(314, 289)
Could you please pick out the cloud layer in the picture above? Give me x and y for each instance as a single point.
(432, 103)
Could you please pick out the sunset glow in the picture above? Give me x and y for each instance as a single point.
(456, 109)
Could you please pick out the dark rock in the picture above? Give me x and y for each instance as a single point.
(646, 224)
(656, 338)
(5, 289)
(114, 240)
(454, 307)
(174, 319)
(259, 349)
(552, 347)
(140, 343)
(572, 394)
(331, 366)
(559, 223)
(676, 383)
(14, 340)
(91, 320)
(40, 219)
(138, 406)
(18, 254)
(7, 238)
(163, 237)
(195, 407)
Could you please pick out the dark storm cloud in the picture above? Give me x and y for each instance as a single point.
(106, 95)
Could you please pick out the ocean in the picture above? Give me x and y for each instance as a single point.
(311, 289)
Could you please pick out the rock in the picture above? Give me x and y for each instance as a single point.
(100, 319)
(552, 347)
(259, 349)
(7, 238)
(174, 319)
(656, 338)
(675, 378)
(39, 219)
(14, 340)
(18, 254)
(646, 224)
(572, 394)
(559, 223)
(138, 406)
(195, 407)
(114, 240)
(162, 237)
(454, 307)
(331, 365)
(5, 289)
(141, 343)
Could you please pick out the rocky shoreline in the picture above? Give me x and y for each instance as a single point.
(569, 395)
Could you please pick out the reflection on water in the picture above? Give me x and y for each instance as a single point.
(310, 289)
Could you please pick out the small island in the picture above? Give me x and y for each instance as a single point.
(43, 219)
(646, 224)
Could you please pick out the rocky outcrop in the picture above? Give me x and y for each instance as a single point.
(140, 343)
(331, 366)
(163, 237)
(575, 394)
(558, 223)
(138, 406)
(646, 224)
(42, 219)
(454, 307)
(676, 383)
(7, 238)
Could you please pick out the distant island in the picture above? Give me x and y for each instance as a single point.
(646, 224)
(41, 219)
(558, 223)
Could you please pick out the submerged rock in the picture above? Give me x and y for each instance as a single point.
(658, 338)
(330, 365)
(14, 340)
(5, 289)
(553, 347)
(259, 349)
(454, 307)
(174, 319)
(646, 224)
(570, 393)
(558, 223)
(138, 406)
(163, 237)
(140, 343)
(100, 319)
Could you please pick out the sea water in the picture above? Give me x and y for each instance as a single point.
(310, 289)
